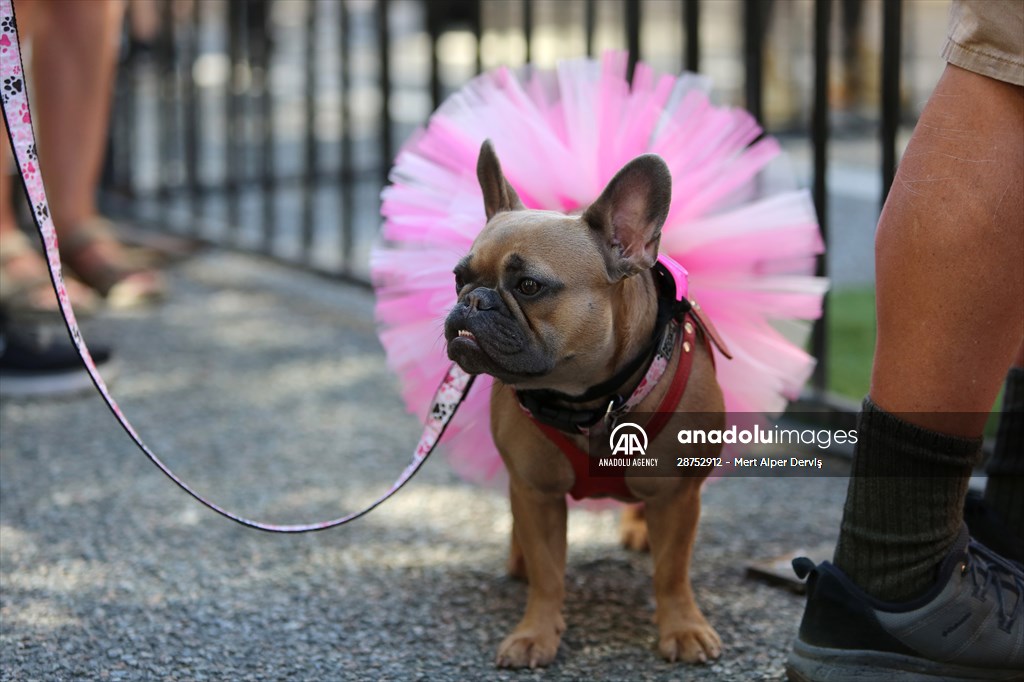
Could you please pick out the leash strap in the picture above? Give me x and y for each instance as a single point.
(14, 94)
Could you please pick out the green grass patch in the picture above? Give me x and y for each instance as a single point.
(851, 345)
(851, 341)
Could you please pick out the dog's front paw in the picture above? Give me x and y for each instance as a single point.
(694, 642)
(528, 648)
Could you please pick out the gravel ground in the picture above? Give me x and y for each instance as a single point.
(266, 389)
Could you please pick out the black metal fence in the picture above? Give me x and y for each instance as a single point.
(269, 125)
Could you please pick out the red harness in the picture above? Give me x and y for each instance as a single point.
(586, 485)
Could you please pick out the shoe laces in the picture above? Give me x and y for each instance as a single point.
(990, 572)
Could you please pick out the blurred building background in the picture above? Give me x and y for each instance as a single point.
(269, 125)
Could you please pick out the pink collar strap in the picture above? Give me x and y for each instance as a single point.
(678, 274)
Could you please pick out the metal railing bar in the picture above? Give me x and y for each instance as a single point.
(434, 30)
(890, 106)
(691, 29)
(632, 26)
(384, 56)
(193, 122)
(819, 191)
(268, 177)
(236, 31)
(753, 56)
(162, 113)
(528, 28)
(589, 25)
(346, 168)
(311, 157)
(478, 34)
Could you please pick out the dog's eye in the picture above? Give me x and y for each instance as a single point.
(528, 287)
(459, 283)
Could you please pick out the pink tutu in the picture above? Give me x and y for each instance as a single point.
(747, 239)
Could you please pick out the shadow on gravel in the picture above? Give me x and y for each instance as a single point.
(268, 391)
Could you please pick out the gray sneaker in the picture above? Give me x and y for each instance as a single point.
(970, 626)
(37, 359)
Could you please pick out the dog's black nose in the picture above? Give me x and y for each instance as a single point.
(482, 298)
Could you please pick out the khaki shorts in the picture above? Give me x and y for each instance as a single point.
(987, 37)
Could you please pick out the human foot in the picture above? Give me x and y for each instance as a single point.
(25, 286)
(122, 276)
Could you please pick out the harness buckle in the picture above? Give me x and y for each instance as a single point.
(616, 408)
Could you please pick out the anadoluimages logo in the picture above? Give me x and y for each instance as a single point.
(628, 439)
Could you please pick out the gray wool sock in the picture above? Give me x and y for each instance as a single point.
(904, 504)
(1004, 491)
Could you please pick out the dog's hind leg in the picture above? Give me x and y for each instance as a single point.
(633, 528)
(516, 562)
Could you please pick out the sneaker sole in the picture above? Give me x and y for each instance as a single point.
(809, 663)
(56, 384)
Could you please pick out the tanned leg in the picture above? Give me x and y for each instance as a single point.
(948, 259)
(74, 48)
(948, 253)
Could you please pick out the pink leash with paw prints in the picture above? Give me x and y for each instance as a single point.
(14, 93)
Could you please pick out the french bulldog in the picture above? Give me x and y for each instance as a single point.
(564, 302)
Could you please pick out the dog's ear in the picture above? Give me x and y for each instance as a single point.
(629, 215)
(498, 193)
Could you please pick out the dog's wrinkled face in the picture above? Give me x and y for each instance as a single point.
(529, 297)
(539, 291)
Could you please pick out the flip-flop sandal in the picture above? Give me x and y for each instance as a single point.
(156, 249)
(139, 253)
(31, 293)
(127, 283)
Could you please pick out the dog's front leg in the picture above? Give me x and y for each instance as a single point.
(683, 632)
(539, 525)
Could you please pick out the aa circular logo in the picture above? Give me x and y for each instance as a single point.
(628, 439)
